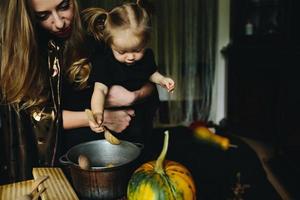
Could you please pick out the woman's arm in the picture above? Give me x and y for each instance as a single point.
(74, 119)
(115, 120)
(118, 96)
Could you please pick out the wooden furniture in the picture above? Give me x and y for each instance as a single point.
(263, 78)
(262, 70)
(57, 186)
(14, 190)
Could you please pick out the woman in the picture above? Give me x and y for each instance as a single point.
(38, 42)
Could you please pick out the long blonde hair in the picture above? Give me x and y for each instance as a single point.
(104, 24)
(20, 76)
(23, 79)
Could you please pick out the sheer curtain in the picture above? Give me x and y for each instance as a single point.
(184, 42)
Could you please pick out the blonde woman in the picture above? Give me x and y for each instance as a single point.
(42, 45)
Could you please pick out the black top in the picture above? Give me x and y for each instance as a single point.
(107, 70)
(131, 77)
(79, 99)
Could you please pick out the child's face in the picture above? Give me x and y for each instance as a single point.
(127, 49)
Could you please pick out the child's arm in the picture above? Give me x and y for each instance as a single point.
(165, 82)
(98, 101)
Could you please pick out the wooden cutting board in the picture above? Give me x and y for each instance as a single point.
(14, 190)
(57, 186)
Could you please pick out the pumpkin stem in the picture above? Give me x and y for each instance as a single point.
(160, 160)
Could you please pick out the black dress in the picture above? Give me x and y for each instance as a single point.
(108, 71)
(132, 78)
(74, 99)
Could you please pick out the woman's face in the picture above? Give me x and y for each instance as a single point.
(55, 16)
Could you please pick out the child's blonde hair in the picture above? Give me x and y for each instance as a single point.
(131, 17)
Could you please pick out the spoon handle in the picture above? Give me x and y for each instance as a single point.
(90, 115)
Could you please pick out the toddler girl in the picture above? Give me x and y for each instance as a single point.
(129, 63)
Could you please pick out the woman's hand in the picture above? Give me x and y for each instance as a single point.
(119, 96)
(117, 120)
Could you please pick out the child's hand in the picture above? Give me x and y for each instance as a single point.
(168, 83)
(93, 123)
(95, 127)
(98, 117)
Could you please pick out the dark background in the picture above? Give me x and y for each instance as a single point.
(263, 82)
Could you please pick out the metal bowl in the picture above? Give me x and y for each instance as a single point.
(111, 168)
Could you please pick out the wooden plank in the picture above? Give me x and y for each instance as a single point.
(14, 190)
(57, 186)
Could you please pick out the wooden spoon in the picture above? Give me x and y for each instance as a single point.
(110, 137)
(107, 134)
(37, 195)
(35, 185)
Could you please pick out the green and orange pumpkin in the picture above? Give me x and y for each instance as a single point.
(161, 180)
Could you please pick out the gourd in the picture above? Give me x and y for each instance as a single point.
(161, 180)
(204, 134)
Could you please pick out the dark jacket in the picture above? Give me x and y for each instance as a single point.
(31, 138)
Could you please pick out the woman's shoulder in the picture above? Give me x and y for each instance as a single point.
(94, 46)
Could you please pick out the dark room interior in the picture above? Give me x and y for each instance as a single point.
(235, 64)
